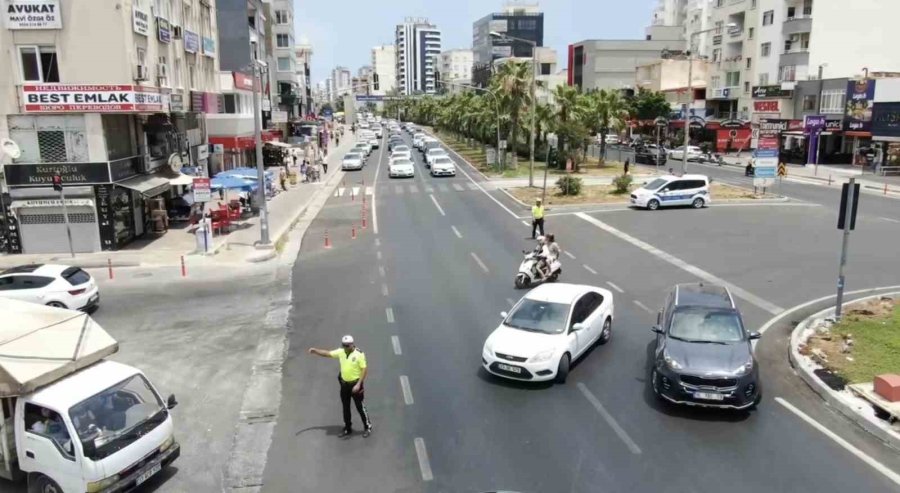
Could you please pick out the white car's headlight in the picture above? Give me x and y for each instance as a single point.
(671, 362)
(744, 369)
(542, 356)
(488, 349)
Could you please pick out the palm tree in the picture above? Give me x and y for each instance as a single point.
(608, 111)
(571, 106)
(513, 81)
(543, 121)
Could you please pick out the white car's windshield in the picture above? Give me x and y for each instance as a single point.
(401, 162)
(539, 316)
(696, 325)
(352, 157)
(443, 162)
(655, 184)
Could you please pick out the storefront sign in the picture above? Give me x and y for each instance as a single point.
(105, 217)
(202, 190)
(767, 106)
(176, 103)
(242, 81)
(886, 120)
(813, 123)
(731, 124)
(204, 102)
(209, 47)
(52, 203)
(860, 94)
(163, 30)
(769, 127)
(124, 168)
(191, 41)
(32, 14)
(72, 98)
(202, 151)
(42, 174)
(766, 154)
(834, 125)
(140, 21)
(10, 226)
(760, 92)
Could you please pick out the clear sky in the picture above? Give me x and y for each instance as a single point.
(343, 32)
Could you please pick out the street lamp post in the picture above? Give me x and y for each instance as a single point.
(264, 240)
(533, 99)
(690, 91)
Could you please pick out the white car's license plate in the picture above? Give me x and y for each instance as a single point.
(513, 369)
(709, 396)
(144, 477)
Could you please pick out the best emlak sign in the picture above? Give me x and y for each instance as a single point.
(77, 98)
(31, 14)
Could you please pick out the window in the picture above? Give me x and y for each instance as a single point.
(765, 49)
(746, 87)
(163, 72)
(230, 103)
(48, 424)
(281, 17)
(284, 64)
(791, 12)
(205, 21)
(192, 76)
(177, 73)
(809, 102)
(50, 138)
(717, 54)
(141, 56)
(732, 79)
(832, 101)
(807, 7)
(527, 24)
(545, 69)
(719, 25)
(283, 40)
(752, 4)
(175, 8)
(788, 73)
(750, 33)
(720, 3)
(749, 60)
(162, 9)
(768, 17)
(764, 79)
(39, 64)
(715, 81)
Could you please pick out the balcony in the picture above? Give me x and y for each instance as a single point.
(797, 25)
(794, 57)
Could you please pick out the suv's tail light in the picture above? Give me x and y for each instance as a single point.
(75, 292)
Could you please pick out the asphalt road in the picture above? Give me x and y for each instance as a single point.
(422, 286)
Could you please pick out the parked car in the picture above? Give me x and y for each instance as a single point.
(694, 153)
(61, 286)
(650, 154)
(703, 354)
(672, 190)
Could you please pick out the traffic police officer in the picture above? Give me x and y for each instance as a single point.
(352, 377)
(537, 218)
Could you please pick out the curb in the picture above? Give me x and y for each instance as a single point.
(822, 390)
(472, 166)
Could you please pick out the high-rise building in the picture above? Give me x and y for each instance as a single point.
(303, 53)
(384, 63)
(340, 81)
(456, 67)
(285, 74)
(517, 19)
(418, 47)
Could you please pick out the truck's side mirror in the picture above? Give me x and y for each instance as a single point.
(171, 402)
(659, 318)
(89, 448)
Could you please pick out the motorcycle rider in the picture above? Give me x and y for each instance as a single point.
(542, 252)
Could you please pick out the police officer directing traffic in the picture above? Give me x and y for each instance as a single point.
(352, 377)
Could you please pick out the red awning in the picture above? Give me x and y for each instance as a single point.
(854, 133)
(243, 142)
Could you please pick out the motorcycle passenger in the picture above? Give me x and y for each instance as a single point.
(553, 247)
(542, 253)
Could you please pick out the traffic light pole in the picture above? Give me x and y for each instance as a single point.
(62, 198)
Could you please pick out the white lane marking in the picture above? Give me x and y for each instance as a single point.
(422, 454)
(355, 191)
(389, 312)
(429, 189)
(801, 306)
(479, 262)
(609, 419)
(588, 268)
(702, 274)
(471, 186)
(617, 288)
(381, 270)
(889, 219)
(441, 210)
(458, 187)
(768, 204)
(407, 390)
(370, 191)
(339, 192)
(568, 254)
(413, 189)
(398, 189)
(395, 341)
(510, 301)
(526, 223)
(384, 289)
(642, 306)
(456, 232)
(377, 241)
(374, 208)
(378, 254)
(878, 466)
(443, 188)
(511, 213)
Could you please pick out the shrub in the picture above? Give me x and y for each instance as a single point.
(569, 185)
(622, 183)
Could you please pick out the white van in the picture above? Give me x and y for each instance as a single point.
(71, 421)
(670, 190)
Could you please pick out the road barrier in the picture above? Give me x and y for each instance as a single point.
(109, 266)
(327, 240)
(183, 268)
(353, 232)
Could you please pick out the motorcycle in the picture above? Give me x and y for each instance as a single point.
(530, 273)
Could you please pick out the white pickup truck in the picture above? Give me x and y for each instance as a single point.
(70, 421)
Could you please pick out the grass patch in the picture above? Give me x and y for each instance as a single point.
(606, 194)
(874, 327)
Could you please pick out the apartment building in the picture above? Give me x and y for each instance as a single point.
(418, 47)
(456, 67)
(287, 84)
(341, 80)
(303, 53)
(732, 58)
(116, 128)
(519, 20)
(384, 63)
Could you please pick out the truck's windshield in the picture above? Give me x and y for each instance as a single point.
(117, 416)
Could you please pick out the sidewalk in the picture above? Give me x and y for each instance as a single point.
(551, 180)
(180, 242)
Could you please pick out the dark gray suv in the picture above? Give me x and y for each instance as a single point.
(703, 354)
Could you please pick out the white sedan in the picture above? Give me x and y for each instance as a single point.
(693, 154)
(433, 153)
(401, 167)
(401, 152)
(61, 286)
(353, 160)
(548, 329)
(443, 166)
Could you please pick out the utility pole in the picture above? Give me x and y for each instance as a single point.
(846, 221)
(57, 185)
(264, 240)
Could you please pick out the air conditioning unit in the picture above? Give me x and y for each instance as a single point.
(142, 73)
(176, 32)
(162, 71)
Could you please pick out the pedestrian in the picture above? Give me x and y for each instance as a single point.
(324, 162)
(295, 160)
(627, 164)
(352, 378)
(537, 218)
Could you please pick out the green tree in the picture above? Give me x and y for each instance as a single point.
(647, 105)
(513, 81)
(608, 113)
(570, 112)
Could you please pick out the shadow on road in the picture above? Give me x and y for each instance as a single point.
(487, 377)
(330, 430)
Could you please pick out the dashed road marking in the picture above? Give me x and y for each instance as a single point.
(456, 232)
(355, 191)
(381, 270)
(389, 312)
(567, 253)
(890, 219)
(609, 419)
(458, 187)
(339, 192)
(429, 189)
(398, 189)
(642, 306)
(472, 186)
(441, 210)
(617, 288)
(413, 189)
(395, 341)
(370, 191)
(384, 289)
(479, 262)
(442, 187)
(378, 254)
(588, 268)
(424, 464)
(377, 240)
(407, 390)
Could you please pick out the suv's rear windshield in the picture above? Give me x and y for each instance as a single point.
(75, 276)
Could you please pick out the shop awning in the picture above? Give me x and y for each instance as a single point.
(181, 179)
(279, 144)
(147, 185)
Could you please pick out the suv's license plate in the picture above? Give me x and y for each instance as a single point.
(514, 369)
(143, 477)
(708, 396)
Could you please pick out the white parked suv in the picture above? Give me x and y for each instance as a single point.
(670, 190)
(61, 286)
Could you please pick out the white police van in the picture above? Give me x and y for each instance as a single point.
(670, 190)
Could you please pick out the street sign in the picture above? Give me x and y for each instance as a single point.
(202, 190)
(763, 182)
(842, 217)
(782, 170)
